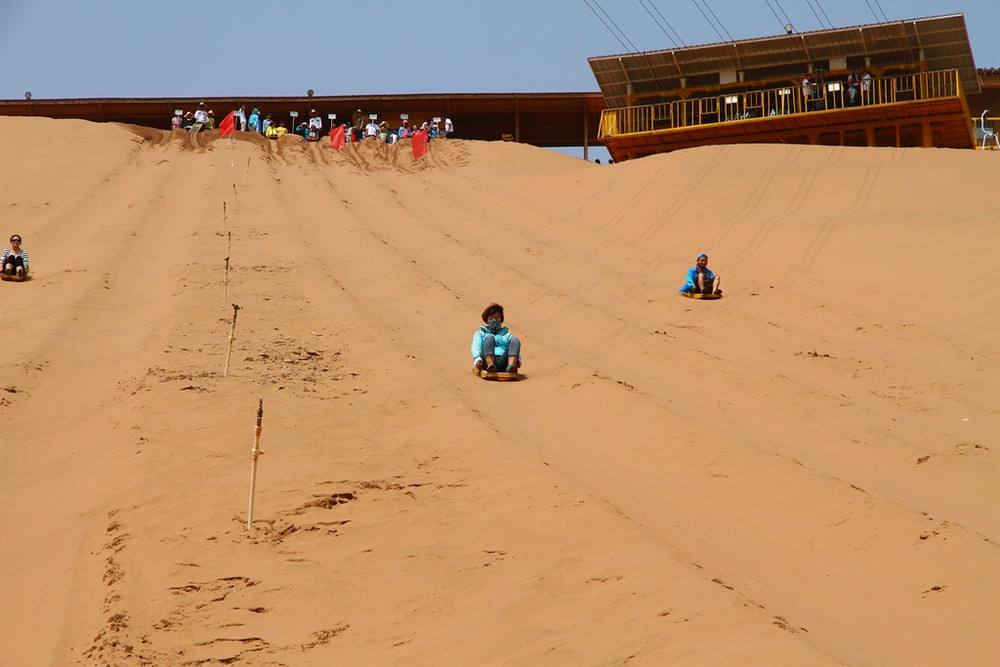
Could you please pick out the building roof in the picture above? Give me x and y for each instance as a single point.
(944, 41)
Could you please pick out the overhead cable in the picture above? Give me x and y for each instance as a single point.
(721, 38)
(823, 12)
(608, 16)
(879, 5)
(674, 30)
(613, 34)
(877, 19)
(780, 22)
(657, 22)
(709, 7)
(818, 19)
(783, 12)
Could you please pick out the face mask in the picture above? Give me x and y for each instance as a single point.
(494, 324)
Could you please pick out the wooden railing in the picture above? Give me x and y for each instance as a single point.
(825, 96)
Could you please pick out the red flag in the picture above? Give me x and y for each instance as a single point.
(419, 144)
(228, 125)
(337, 139)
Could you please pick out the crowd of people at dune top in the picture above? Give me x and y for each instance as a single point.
(362, 126)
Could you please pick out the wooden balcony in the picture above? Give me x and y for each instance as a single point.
(920, 109)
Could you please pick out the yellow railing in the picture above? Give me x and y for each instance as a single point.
(825, 96)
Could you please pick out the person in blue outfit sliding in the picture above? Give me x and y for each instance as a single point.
(493, 346)
(701, 279)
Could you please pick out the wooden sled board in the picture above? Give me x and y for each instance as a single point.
(497, 376)
(707, 297)
(14, 279)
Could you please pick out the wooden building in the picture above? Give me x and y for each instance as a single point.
(903, 83)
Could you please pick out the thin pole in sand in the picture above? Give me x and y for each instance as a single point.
(232, 337)
(254, 455)
(246, 171)
(225, 282)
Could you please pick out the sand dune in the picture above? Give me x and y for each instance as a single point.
(803, 473)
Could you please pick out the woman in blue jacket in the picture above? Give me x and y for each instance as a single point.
(493, 346)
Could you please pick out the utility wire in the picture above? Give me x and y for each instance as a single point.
(608, 16)
(709, 7)
(674, 30)
(823, 12)
(662, 29)
(877, 19)
(721, 38)
(780, 22)
(613, 34)
(818, 19)
(879, 5)
(783, 12)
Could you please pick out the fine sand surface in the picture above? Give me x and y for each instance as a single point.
(802, 473)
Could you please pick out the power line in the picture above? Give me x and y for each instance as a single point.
(674, 30)
(877, 19)
(613, 34)
(634, 47)
(709, 7)
(823, 11)
(783, 12)
(818, 19)
(780, 22)
(664, 30)
(721, 38)
(879, 5)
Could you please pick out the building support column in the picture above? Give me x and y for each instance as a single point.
(586, 137)
(928, 134)
(898, 142)
(870, 136)
(517, 121)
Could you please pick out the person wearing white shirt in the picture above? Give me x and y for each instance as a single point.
(201, 115)
(449, 127)
(315, 121)
(371, 129)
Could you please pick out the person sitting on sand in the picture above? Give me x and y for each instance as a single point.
(15, 259)
(701, 279)
(493, 346)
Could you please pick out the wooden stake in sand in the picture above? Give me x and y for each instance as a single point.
(225, 282)
(232, 337)
(254, 455)
(246, 171)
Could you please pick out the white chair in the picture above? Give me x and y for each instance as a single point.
(987, 134)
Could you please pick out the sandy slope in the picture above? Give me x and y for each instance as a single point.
(802, 473)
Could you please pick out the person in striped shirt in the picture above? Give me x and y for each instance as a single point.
(15, 259)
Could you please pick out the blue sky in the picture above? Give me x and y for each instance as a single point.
(141, 48)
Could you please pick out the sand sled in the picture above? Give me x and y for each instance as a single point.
(15, 278)
(497, 376)
(707, 297)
